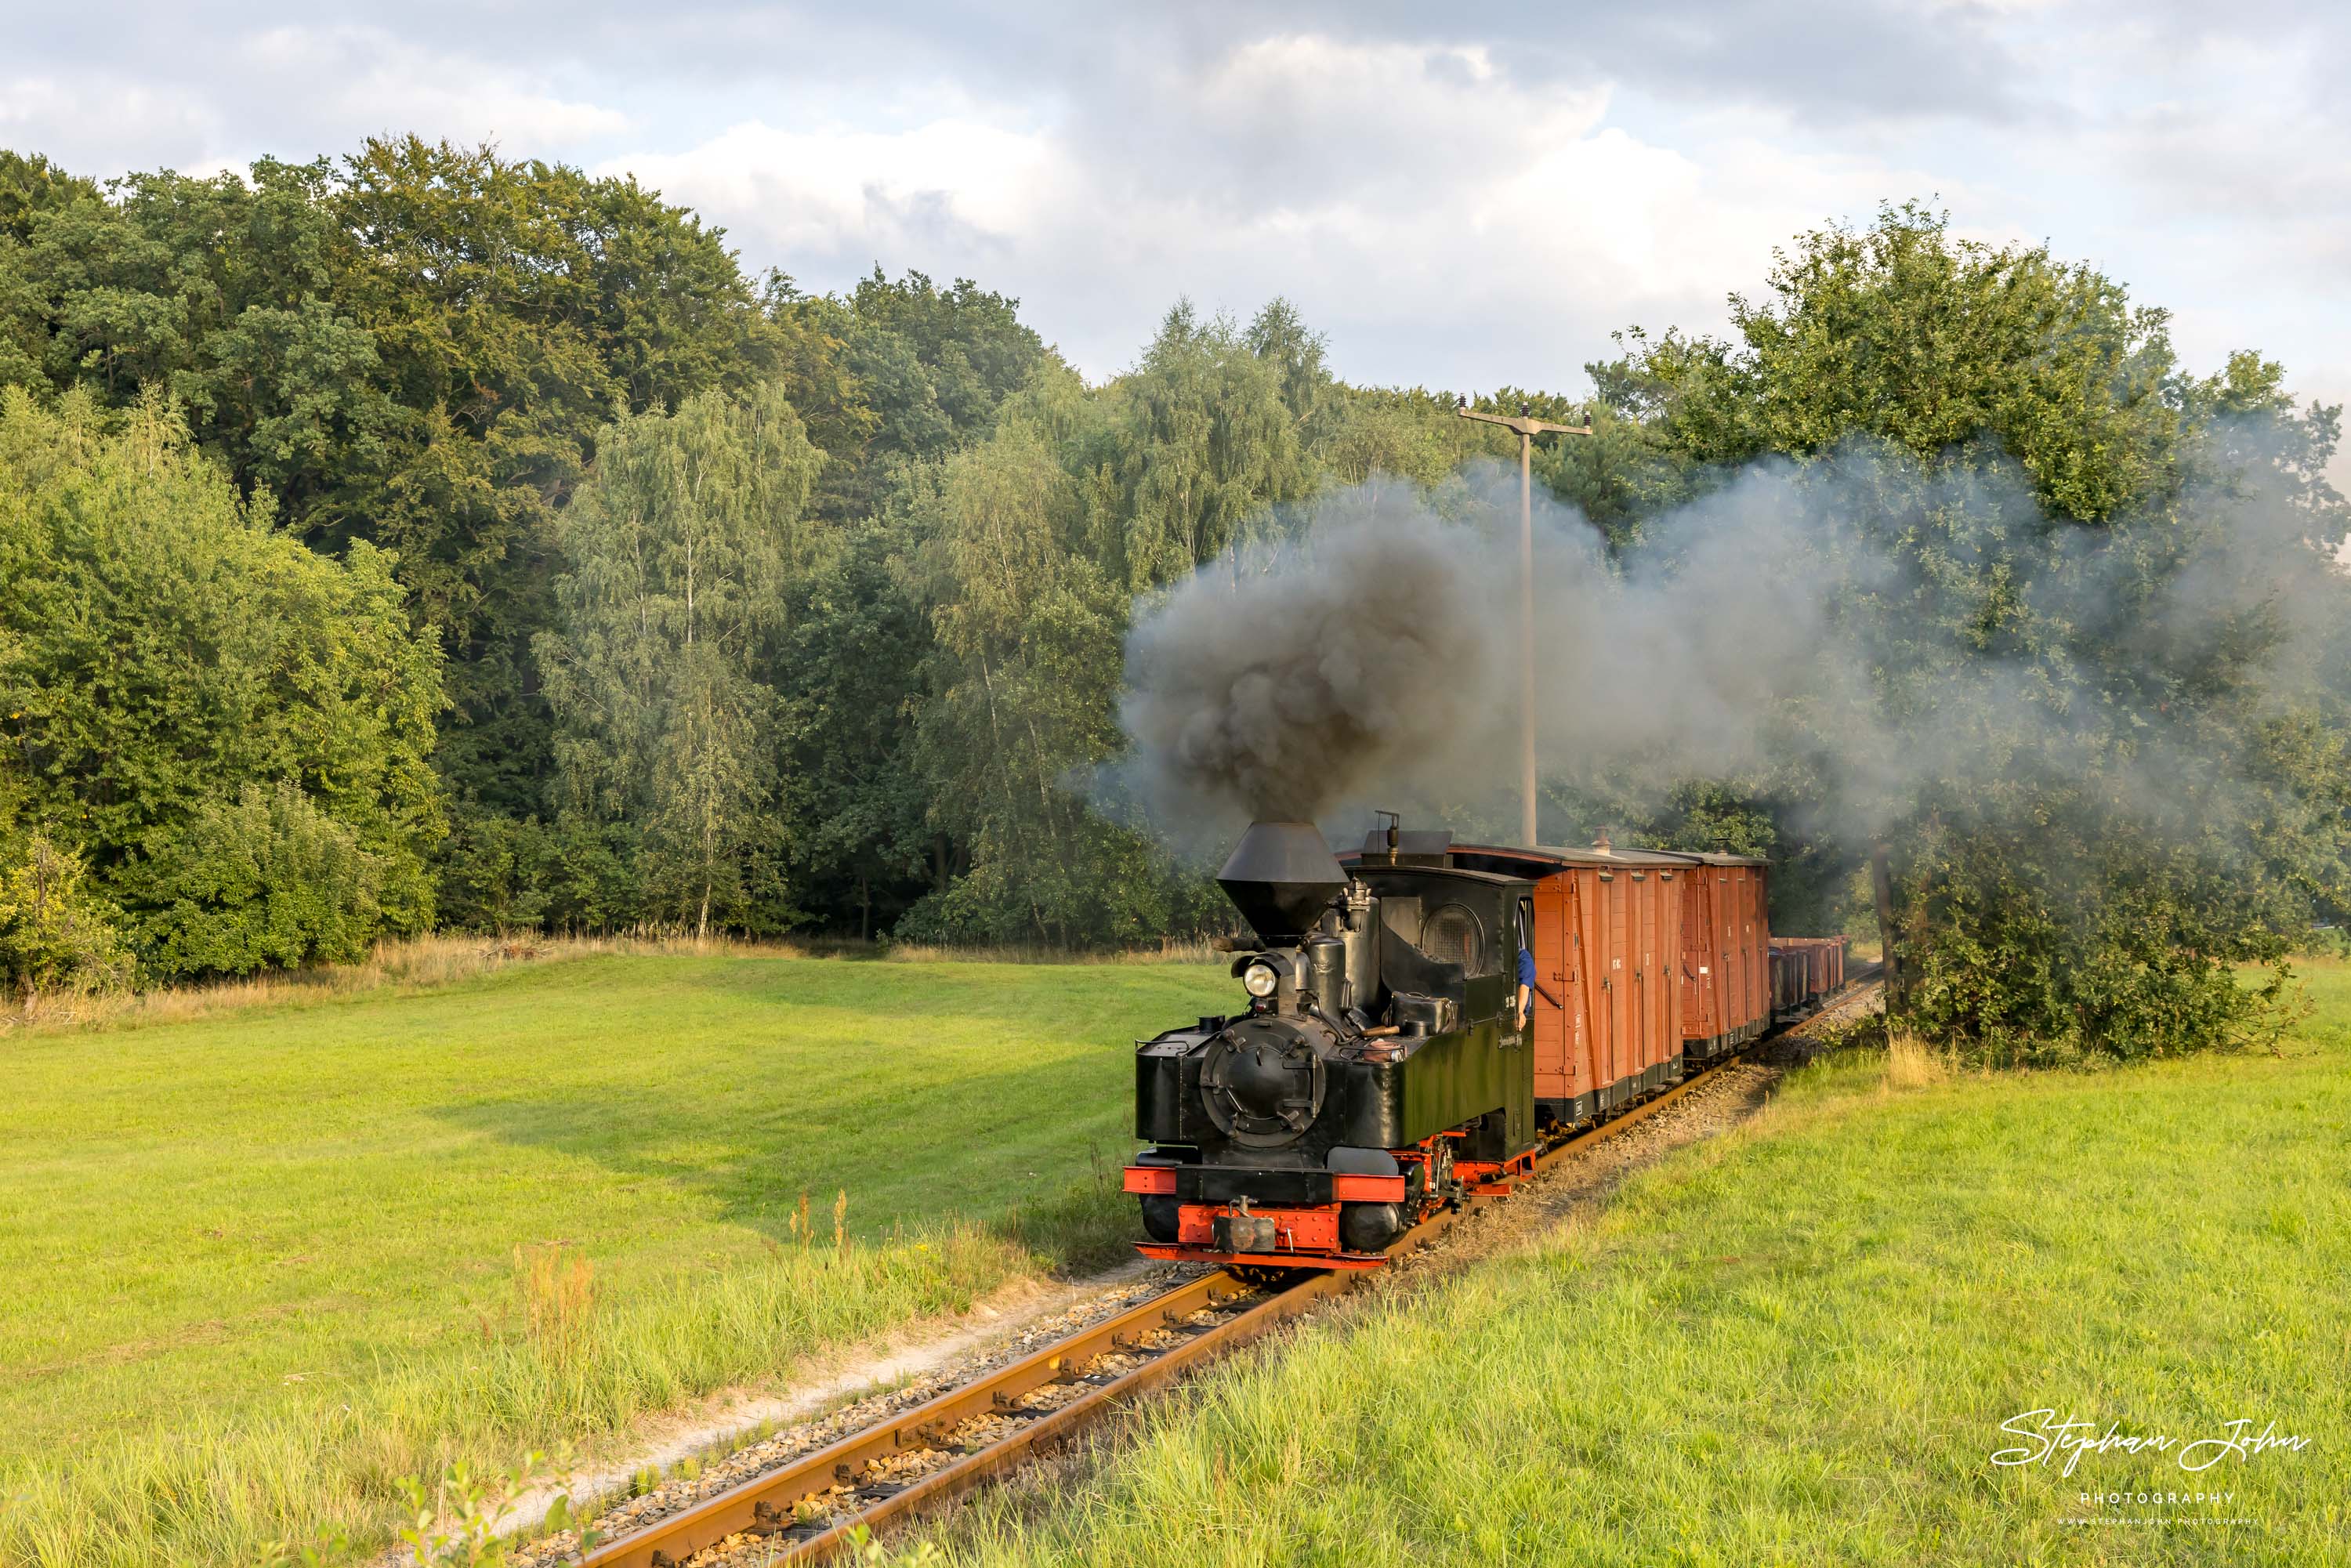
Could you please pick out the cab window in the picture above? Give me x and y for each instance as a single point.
(1453, 934)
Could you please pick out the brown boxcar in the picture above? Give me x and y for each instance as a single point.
(1726, 954)
(1608, 927)
(1804, 970)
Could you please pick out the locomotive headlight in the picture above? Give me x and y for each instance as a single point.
(1258, 980)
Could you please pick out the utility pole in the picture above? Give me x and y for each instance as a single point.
(1528, 430)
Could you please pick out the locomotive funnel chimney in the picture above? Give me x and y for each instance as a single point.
(1281, 877)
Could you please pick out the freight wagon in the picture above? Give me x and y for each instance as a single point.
(1803, 970)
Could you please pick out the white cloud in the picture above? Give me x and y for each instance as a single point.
(836, 191)
(1444, 222)
(294, 91)
(369, 79)
(131, 113)
(1460, 197)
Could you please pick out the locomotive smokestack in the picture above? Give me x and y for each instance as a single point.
(1281, 877)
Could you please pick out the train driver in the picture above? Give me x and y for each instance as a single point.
(1526, 985)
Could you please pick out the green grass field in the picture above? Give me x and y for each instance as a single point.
(265, 1262)
(1798, 1344)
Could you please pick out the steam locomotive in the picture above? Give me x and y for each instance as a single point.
(1381, 1070)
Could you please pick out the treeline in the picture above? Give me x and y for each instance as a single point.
(734, 607)
(428, 537)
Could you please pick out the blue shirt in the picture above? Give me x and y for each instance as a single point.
(1526, 967)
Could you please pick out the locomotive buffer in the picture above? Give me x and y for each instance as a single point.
(1528, 429)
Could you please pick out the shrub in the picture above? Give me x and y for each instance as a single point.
(265, 879)
(56, 933)
(180, 680)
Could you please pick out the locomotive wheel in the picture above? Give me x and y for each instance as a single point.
(1161, 1221)
(1369, 1227)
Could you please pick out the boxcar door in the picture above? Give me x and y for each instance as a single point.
(1758, 940)
(1588, 953)
(1555, 1027)
(1727, 953)
(1754, 980)
(1673, 888)
(1738, 1006)
(1623, 990)
(1641, 961)
(1697, 974)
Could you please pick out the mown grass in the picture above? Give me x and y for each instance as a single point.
(421, 963)
(1798, 1344)
(267, 1261)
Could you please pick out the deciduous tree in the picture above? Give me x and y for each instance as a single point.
(679, 554)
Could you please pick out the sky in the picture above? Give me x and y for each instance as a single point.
(1460, 197)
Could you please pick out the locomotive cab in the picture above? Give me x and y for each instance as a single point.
(1375, 1070)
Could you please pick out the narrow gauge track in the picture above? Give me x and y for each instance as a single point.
(944, 1446)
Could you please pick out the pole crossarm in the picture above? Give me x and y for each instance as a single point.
(1526, 426)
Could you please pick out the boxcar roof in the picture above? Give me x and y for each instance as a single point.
(1543, 859)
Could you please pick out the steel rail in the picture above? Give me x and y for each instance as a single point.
(763, 1507)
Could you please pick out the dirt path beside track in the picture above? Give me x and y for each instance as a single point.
(847, 1393)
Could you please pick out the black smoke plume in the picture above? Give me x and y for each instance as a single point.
(1288, 677)
(1898, 632)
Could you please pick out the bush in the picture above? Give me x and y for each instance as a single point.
(497, 872)
(182, 681)
(267, 879)
(56, 933)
